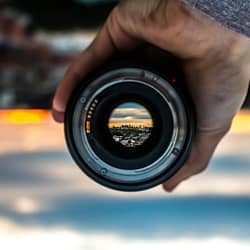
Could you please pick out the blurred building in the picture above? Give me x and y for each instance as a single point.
(29, 69)
(38, 41)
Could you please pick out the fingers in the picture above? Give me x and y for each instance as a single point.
(110, 38)
(202, 150)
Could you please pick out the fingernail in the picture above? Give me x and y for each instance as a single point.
(58, 116)
(169, 189)
(57, 106)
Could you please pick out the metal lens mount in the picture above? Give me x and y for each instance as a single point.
(108, 162)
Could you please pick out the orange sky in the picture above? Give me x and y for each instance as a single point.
(30, 130)
(241, 123)
(136, 123)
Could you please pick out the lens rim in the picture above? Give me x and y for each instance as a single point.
(114, 153)
(144, 76)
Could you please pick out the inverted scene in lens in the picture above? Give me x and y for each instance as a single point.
(130, 124)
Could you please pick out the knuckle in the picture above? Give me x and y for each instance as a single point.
(200, 169)
(216, 132)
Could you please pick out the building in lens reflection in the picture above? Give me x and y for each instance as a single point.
(130, 135)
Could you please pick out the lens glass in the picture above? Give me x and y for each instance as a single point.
(130, 124)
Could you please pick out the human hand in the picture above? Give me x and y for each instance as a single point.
(216, 63)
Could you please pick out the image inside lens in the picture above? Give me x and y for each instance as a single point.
(130, 124)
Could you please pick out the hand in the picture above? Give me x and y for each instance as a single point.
(216, 62)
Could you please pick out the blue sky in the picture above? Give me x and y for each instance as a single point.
(45, 197)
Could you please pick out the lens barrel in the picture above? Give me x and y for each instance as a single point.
(129, 125)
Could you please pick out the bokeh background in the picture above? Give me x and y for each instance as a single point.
(46, 202)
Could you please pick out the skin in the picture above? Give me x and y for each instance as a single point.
(216, 62)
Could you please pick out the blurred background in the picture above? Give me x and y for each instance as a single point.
(46, 202)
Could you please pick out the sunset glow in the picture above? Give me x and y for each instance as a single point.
(130, 114)
(241, 122)
(134, 123)
(22, 116)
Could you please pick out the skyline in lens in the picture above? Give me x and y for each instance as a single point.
(130, 114)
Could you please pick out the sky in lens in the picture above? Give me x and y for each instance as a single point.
(132, 114)
(46, 202)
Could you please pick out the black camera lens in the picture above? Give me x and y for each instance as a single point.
(130, 127)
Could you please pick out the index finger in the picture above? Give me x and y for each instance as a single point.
(110, 38)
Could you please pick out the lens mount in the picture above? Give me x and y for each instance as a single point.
(111, 164)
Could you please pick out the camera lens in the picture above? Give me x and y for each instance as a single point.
(129, 128)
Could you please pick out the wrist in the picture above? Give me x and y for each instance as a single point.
(209, 38)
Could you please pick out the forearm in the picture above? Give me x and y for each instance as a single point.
(234, 14)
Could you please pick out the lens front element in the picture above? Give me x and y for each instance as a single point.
(130, 124)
